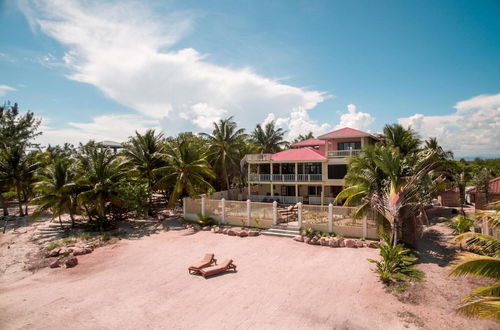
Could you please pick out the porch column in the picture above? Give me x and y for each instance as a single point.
(296, 193)
(248, 180)
(322, 194)
(271, 178)
(296, 171)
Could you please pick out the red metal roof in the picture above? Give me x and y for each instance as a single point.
(299, 154)
(309, 143)
(494, 186)
(344, 132)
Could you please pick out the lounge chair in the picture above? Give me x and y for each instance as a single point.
(207, 261)
(224, 266)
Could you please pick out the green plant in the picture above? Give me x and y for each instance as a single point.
(338, 235)
(308, 232)
(205, 220)
(362, 239)
(52, 246)
(243, 222)
(397, 263)
(461, 224)
(68, 240)
(257, 222)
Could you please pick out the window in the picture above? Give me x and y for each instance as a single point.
(314, 190)
(313, 168)
(349, 145)
(337, 171)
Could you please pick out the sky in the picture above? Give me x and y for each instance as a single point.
(104, 69)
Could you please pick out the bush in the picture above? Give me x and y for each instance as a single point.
(205, 220)
(134, 195)
(397, 263)
(461, 225)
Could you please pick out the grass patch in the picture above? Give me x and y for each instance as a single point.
(52, 246)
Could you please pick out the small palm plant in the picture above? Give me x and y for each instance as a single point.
(484, 301)
(397, 263)
(461, 224)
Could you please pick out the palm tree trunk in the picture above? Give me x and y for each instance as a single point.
(72, 217)
(3, 202)
(18, 190)
(60, 221)
(395, 231)
(26, 208)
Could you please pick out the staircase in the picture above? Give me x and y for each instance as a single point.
(282, 231)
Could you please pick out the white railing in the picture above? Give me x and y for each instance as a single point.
(285, 177)
(280, 199)
(316, 200)
(343, 153)
(258, 157)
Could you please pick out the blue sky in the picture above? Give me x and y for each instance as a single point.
(104, 69)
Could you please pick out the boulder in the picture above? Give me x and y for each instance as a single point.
(54, 252)
(225, 230)
(205, 228)
(314, 241)
(77, 251)
(298, 238)
(350, 243)
(360, 244)
(324, 241)
(372, 245)
(231, 232)
(71, 262)
(243, 233)
(253, 233)
(54, 264)
(307, 240)
(216, 229)
(196, 227)
(341, 242)
(334, 242)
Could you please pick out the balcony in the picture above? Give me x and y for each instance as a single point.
(258, 157)
(343, 153)
(285, 177)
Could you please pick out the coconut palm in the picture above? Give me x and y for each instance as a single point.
(268, 139)
(143, 152)
(224, 143)
(16, 167)
(187, 170)
(433, 144)
(99, 171)
(484, 301)
(56, 190)
(301, 137)
(406, 140)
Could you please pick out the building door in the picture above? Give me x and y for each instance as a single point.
(287, 190)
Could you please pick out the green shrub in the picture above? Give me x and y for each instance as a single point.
(257, 222)
(52, 246)
(397, 263)
(461, 225)
(308, 232)
(134, 195)
(205, 220)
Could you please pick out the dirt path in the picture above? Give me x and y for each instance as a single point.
(144, 283)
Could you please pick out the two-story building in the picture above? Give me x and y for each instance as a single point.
(312, 171)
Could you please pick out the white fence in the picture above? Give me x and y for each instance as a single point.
(331, 219)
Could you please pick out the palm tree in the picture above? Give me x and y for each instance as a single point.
(16, 166)
(56, 190)
(144, 156)
(406, 140)
(99, 171)
(225, 142)
(187, 170)
(433, 144)
(301, 137)
(484, 301)
(270, 139)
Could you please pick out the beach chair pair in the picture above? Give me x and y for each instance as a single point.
(208, 266)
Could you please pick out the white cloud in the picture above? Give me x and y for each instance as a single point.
(472, 130)
(355, 119)
(126, 51)
(115, 127)
(4, 89)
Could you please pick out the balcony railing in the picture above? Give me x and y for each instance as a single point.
(343, 153)
(258, 157)
(280, 199)
(285, 177)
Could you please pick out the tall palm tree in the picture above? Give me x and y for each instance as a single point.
(433, 144)
(99, 171)
(270, 139)
(301, 137)
(484, 301)
(16, 166)
(144, 156)
(406, 140)
(225, 141)
(187, 170)
(56, 190)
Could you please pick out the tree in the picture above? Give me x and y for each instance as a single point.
(406, 140)
(270, 139)
(301, 137)
(482, 181)
(224, 143)
(144, 156)
(187, 170)
(16, 167)
(56, 190)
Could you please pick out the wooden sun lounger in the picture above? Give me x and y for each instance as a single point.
(224, 266)
(207, 261)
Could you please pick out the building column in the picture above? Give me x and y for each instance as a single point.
(297, 193)
(296, 171)
(271, 178)
(322, 194)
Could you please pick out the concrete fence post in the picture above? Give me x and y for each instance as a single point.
(184, 207)
(365, 227)
(249, 205)
(275, 213)
(223, 211)
(300, 214)
(202, 205)
(330, 217)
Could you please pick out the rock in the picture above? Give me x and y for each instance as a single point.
(298, 238)
(324, 241)
(360, 244)
(196, 227)
(206, 228)
(341, 242)
(79, 251)
(224, 231)
(372, 245)
(253, 233)
(215, 229)
(231, 232)
(307, 240)
(350, 243)
(54, 264)
(314, 241)
(243, 233)
(71, 262)
(54, 252)
(334, 242)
